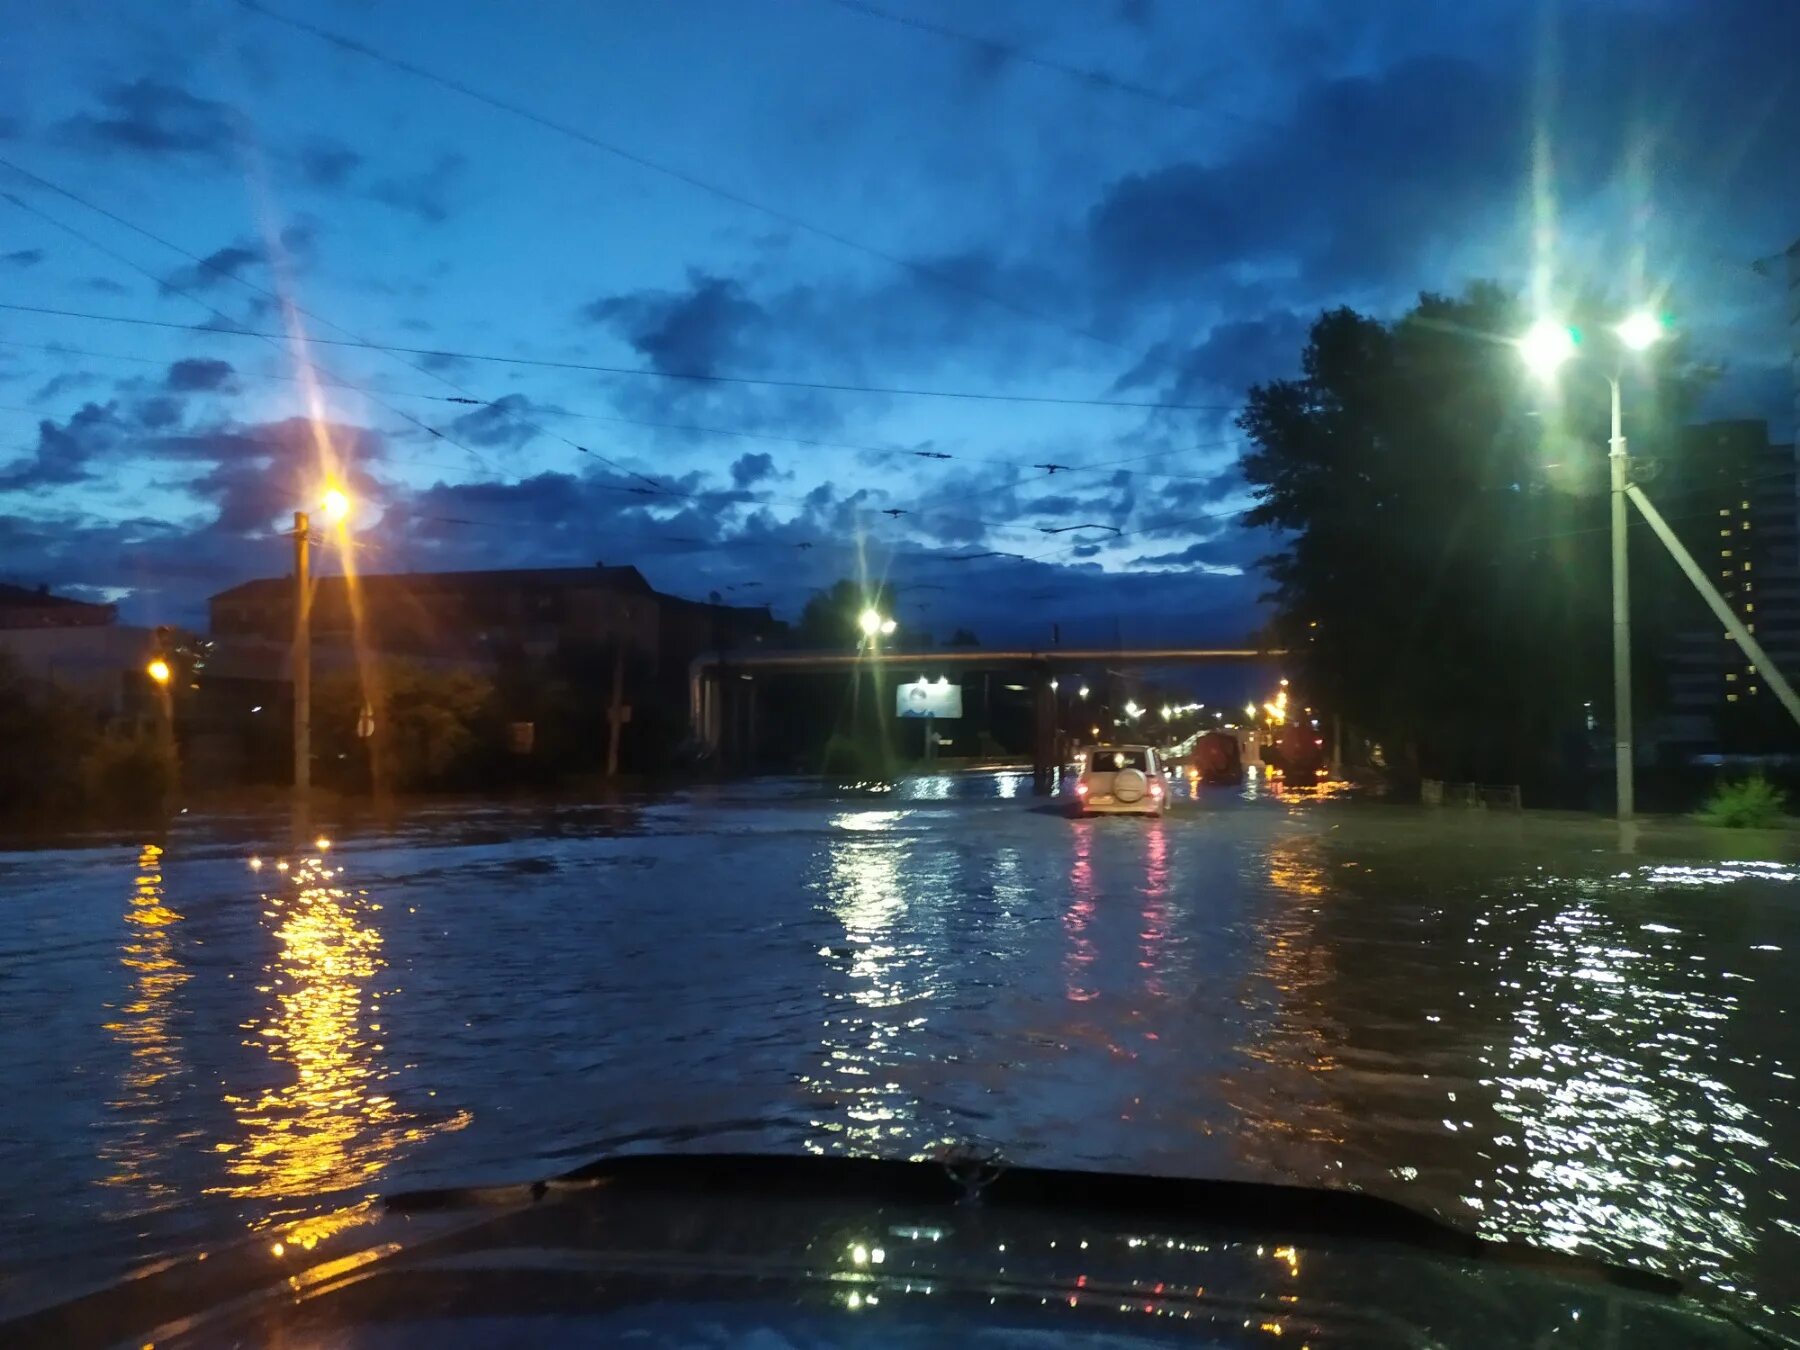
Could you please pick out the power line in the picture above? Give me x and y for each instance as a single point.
(244, 282)
(694, 428)
(703, 376)
(587, 138)
(1011, 52)
(275, 339)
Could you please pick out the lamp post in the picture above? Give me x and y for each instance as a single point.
(336, 507)
(1546, 347)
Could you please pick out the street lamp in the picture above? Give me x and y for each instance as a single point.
(336, 506)
(1546, 346)
(1082, 692)
(874, 624)
(158, 670)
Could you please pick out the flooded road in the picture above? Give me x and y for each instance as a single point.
(1504, 1020)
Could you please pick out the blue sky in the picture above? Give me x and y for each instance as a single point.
(1142, 202)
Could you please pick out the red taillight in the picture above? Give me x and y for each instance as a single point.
(1156, 789)
(1081, 789)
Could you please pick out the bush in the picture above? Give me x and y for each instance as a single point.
(1748, 803)
(129, 775)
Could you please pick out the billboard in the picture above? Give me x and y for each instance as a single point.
(928, 698)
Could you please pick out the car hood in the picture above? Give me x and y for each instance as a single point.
(727, 1249)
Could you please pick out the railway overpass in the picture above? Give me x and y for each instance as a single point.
(722, 687)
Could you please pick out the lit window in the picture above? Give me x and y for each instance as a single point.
(1731, 698)
(1755, 687)
(1724, 553)
(1749, 628)
(1746, 567)
(1731, 677)
(1748, 586)
(1724, 510)
(1750, 669)
(1725, 533)
(1749, 608)
(1745, 505)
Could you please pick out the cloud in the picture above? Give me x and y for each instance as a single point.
(424, 195)
(219, 266)
(700, 331)
(151, 117)
(503, 424)
(63, 451)
(107, 286)
(325, 163)
(22, 257)
(197, 374)
(752, 468)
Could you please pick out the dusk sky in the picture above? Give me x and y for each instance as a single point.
(1112, 202)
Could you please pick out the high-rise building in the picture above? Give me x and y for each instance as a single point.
(1734, 498)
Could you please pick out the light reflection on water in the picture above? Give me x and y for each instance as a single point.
(1624, 1131)
(137, 1156)
(323, 1123)
(886, 992)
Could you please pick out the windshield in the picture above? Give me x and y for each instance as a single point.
(899, 578)
(1110, 761)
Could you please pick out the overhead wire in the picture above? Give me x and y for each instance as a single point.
(1012, 52)
(233, 277)
(707, 377)
(276, 339)
(935, 275)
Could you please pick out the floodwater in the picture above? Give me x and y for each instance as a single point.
(1505, 1020)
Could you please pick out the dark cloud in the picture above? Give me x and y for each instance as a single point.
(154, 118)
(217, 268)
(1370, 171)
(257, 472)
(702, 330)
(326, 163)
(505, 424)
(197, 374)
(747, 470)
(63, 451)
(22, 257)
(62, 382)
(158, 413)
(1234, 354)
(424, 195)
(107, 286)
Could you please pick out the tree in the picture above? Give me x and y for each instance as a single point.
(830, 619)
(1442, 571)
(433, 729)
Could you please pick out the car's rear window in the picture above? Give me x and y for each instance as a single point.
(1109, 761)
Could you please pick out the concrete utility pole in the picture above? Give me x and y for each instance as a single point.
(617, 715)
(302, 657)
(1620, 462)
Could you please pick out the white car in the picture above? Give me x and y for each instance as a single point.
(1121, 779)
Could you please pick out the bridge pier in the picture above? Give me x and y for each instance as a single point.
(1046, 756)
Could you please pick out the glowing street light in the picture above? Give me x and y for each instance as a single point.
(874, 624)
(1546, 345)
(158, 670)
(1250, 710)
(1640, 331)
(335, 505)
(1083, 691)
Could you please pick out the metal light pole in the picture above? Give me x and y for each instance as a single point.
(302, 657)
(1546, 347)
(1620, 463)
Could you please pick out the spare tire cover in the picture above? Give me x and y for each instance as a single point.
(1129, 784)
